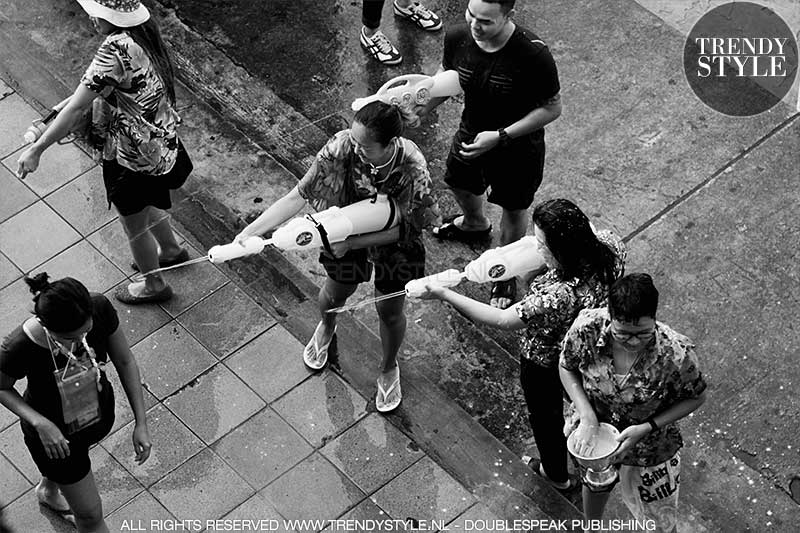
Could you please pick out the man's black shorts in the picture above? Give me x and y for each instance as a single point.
(393, 269)
(513, 172)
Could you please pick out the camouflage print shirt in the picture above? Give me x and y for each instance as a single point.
(338, 177)
(552, 303)
(665, 374)
(141, 131)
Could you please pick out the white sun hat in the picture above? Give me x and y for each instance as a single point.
(120, 13)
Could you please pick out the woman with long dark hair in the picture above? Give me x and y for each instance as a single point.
(581, 265)
(68, 404)
(369, 158)
(142, 156)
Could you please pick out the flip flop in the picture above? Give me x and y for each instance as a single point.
(54, 509)
(182, 256)
(383, 402)
(450, 232)
(124, 295)
(315, 356)
(504, 289)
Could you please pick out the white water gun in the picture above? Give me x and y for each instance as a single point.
(497, 264)
(411, 89)
(332, 225)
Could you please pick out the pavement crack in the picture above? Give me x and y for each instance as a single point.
(723, 169)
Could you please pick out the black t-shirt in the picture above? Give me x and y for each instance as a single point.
(500, 87)
(20, 357)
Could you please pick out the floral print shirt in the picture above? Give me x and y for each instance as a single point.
(552, 303)
(338, 177)
(141, 129)
(662, 376)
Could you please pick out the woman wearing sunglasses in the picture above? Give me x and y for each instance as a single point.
(68, 404)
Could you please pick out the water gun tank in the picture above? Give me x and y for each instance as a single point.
(506, 262)
(413, 89)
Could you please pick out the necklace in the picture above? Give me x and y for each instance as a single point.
(374, 170)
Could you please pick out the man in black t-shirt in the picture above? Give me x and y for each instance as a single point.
(511, 91)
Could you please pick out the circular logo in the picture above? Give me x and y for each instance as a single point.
(740, 59)
(304, 238)
(497, 271)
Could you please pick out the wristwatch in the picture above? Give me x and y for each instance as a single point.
(504, 138)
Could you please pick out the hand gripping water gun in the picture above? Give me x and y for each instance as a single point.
(411, 89)
(334, 224)
(497, 264)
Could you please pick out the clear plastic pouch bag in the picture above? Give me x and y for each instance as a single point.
(78, 386)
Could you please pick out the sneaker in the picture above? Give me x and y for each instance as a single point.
(419, 15)
(379, 47)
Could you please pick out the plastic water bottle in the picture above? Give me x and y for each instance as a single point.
(34, 131)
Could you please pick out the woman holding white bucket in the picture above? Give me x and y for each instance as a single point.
(368, 159)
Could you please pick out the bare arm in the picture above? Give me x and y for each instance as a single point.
(477, 311)
(60, 127)
(276, 214)
(120, 354)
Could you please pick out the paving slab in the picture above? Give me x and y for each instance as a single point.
(477, 517)
(224, 332)
(82, 202)
(274, 353)
(214, 403)
(13, 448)
(170, 358)
(424, 492)
(113, 243)
(5, 90)
(59, 165)
(173, 444)
(137, 321)
(192, 283)
(366, 510)
(142, 513)
(16, 196)
(16, 305)
(83, 262)
(17, 116)
(34, 235)
(372, 452)
(8, 271)
(313, 480)
(262, 448)
(258, 507)
(115, 484)
(202, 488)
(25, 514)
(322, 407)
(12, 483)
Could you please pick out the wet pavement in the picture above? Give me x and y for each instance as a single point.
(707, 204)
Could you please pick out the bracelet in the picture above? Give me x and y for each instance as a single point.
(653, 425)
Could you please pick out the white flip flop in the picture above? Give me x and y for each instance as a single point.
(381, 403)
(315, 356)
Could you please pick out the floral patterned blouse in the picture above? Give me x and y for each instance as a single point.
(338, 177)
(141, 131)
(552, 303)
(662, 376)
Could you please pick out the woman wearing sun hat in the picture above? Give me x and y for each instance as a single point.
(142, 156)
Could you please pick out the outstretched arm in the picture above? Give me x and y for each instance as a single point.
(279, 212)
(476, 311)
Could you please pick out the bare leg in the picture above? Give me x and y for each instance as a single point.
(162, 231)
(84, 500)
(332, 294)
(144, 250)
(474, 218)
(393, 331)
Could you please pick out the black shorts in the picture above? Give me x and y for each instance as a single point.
(513, 172)
(132, 191)
(393, 268)
(73, 468)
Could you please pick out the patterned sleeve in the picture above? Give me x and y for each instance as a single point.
(570, 357)
(558, 302)
(323, 183)
(686, 381)
(415, 201)
(107, 69)
(617, 247)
